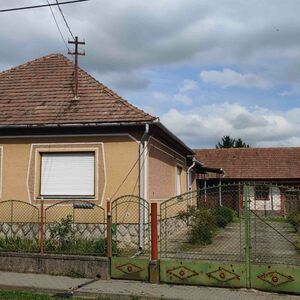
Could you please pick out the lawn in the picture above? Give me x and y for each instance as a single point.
(17, 295)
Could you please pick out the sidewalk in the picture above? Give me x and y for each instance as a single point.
(119, 289)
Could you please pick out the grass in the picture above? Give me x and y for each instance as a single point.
(17, 295)
(75, 246)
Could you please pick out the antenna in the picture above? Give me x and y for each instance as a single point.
(76, 53)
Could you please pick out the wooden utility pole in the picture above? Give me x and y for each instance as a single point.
(76, 53)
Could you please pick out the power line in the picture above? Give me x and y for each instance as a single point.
(56, 23)
(41, 5)
(62, 14)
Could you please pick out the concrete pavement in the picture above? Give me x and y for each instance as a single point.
(119, 289)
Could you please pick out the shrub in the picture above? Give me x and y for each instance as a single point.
(61, 233)
(294, 219)
(203, 227)
(224, 216)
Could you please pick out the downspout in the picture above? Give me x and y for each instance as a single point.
(188, 174)
(141, 187)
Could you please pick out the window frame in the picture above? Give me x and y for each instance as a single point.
(69, 197)
(178, 167)
(257, 192)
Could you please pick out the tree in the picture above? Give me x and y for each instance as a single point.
(228, 142)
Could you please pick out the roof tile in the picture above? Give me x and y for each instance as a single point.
(41, 92)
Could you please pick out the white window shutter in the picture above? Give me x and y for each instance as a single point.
(68, 174)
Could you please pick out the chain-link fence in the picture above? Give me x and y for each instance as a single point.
(130, 226)
(205, 224)
(274, 224)
(19, 226)
(75, 227)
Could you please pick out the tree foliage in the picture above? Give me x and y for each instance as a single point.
(228, 142)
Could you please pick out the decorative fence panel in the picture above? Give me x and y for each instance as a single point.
(19, 226)
(75, 227)
(130, 226)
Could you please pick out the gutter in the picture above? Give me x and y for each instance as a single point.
(93, 124)
(173, 136)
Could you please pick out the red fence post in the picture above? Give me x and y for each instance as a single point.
(108, 229)
(42, 228)
(154, 236)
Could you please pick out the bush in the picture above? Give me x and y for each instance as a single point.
(203, 227)
(224, 216)
(294, 219)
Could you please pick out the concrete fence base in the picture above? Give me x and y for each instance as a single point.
(55, 264)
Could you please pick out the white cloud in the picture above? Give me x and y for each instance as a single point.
(184, 99)
(229, 78)
(188, 85)
(159, 96)
(204, 126)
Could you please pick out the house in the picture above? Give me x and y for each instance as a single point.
(273, 175)
(55, 146)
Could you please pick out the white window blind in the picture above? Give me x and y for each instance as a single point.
(68, 174)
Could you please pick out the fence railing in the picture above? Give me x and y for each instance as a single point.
(206, 224)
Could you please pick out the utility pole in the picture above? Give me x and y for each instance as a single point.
(76, 53)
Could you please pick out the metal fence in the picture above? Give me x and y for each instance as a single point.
(130, 226)
(75, 227)
(205, 224)
(274, 240)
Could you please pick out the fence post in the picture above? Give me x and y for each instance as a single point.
(154, 237)
(154, 263)
(42, 228)
(108, 229)
(247, 236)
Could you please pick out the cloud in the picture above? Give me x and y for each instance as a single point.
(159, 96)
(133, 34)
(188, 85)
(124, 80)
(184, 99)
(231, 78)
(204, 126)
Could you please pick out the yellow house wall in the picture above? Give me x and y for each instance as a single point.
(117, 156)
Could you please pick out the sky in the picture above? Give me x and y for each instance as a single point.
(205, 68)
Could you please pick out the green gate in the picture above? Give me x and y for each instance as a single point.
(232, 235)
(274, 238)
(130, 234)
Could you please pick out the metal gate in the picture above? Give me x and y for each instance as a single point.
(130, 234)
(274, 249)
(235, 235)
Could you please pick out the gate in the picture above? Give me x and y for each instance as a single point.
(274, 237)
(232, 235)
(130, 234)
(202, 237)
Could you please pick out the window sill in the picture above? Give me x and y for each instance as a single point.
(65, 197)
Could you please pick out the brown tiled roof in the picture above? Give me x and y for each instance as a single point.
(253, 163)
(41, 92)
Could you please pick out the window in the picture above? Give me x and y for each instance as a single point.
(178, 180)
(67, 174)
(261, 192)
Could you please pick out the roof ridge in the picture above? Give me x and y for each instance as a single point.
(245, 149)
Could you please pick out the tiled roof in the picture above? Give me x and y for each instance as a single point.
(253, 163)
(41, 92)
